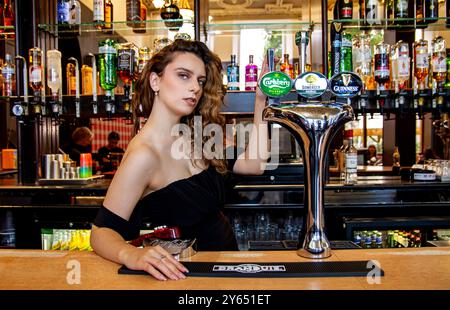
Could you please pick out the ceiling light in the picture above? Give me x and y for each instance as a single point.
(158, 3)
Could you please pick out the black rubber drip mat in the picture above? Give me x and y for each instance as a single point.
(292, 245)
(274, 270)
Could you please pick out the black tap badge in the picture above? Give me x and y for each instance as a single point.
(345, 84)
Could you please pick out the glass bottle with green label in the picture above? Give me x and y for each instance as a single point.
(346, 53)
(107, 65)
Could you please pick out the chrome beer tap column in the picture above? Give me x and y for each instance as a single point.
(313, 124)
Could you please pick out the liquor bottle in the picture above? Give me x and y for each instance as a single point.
(109, 13)
(144, 57)
(133, 12)
(86, 80)
(35, 70)
(99, 13)
(286, 66)
(346, 53)
(75, 16)
(382, 64)
(140, 27)
(341, 158)
(431, 11)
(337, 10)
(297, 67)
(401, 9)
(107, 65)
(9, 77)
(421, 62)
(126, 55)
(402, 64)
(447, 83)
(54, 79)
(420, 12)
(251, 74)
(390, 11)
(439, 61)
(346, 9)
(63, 16)
(362, 11)
(363, 59)
(396, 157)
(351, 160)
(233, 74)
(71, 80)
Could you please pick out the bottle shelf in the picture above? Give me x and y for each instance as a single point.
(119, 26)
(395, 24)
(284, 27)
(242, 103)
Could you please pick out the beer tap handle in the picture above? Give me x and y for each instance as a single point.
(302, 40)
(77, 87)
(271, 59)
(271, 65)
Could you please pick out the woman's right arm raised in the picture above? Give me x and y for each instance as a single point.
(127, 187)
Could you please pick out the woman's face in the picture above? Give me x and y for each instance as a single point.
(372, 149)
(181, 85)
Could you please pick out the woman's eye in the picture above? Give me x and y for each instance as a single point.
(201, 83)
(183, 76)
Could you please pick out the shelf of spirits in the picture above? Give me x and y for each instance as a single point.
(124, 27)
(281, 26)
(356, 25)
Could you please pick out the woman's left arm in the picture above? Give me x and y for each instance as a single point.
(254, 159)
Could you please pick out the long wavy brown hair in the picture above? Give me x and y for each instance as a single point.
(213, 91)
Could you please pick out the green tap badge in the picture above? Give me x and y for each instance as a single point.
(275, 84)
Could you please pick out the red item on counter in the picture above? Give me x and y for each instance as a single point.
(161, 232)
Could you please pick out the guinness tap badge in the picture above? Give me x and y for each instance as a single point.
(345, 84)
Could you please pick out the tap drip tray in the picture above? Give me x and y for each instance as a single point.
(293, 245)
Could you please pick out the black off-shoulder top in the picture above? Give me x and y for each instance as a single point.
(193, 204)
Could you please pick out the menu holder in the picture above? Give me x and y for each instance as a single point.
(78, 181)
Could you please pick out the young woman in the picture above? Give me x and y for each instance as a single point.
(181, 81)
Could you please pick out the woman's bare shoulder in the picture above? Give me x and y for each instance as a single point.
(140, 153)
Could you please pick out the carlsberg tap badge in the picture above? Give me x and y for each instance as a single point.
(275, 84)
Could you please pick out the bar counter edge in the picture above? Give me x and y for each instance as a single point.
(404, 269)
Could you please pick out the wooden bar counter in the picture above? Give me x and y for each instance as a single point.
(405, 269)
